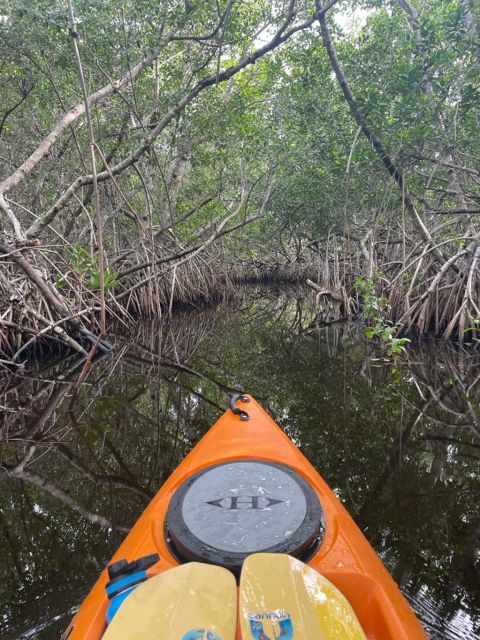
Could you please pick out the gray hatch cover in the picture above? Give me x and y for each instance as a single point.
(227, 511)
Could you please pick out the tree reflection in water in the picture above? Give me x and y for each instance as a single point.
(399, 443)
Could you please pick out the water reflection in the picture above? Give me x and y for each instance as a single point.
(398, 443)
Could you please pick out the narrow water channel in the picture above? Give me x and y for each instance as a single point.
(398, 442)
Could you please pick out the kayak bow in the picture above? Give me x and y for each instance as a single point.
(245, 488)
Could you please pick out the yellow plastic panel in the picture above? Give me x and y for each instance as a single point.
(282, 598)
(191, 602)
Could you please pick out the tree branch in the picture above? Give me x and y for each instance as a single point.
(362, 122)
(280, 37)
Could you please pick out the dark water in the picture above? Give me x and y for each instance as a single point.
(399, 444)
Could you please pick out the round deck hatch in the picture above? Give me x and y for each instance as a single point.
(227, 511)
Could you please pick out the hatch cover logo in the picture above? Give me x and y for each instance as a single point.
(235, 503)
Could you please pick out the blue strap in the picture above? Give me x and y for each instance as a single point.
(118, 585)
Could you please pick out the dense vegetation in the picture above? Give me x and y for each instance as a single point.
(153, 152)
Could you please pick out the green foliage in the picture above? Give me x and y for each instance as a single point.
(282, 122)
(86, 269)
(374, 309)
(474, 331)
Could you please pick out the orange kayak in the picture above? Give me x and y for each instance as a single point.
(246, 488)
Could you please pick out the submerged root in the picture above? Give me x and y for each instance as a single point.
(47, 304)
(424, 295)
(41, 312)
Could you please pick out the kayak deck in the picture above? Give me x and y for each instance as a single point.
(344, 556)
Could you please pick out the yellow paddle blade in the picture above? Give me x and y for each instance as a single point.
(191, 602)
(282, 598)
